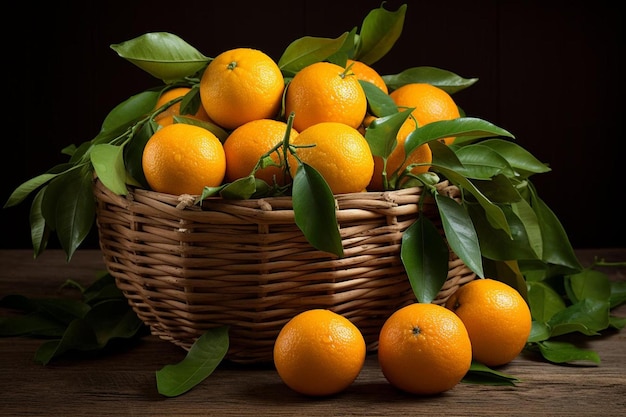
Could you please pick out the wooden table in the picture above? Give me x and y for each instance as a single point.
(123, 383)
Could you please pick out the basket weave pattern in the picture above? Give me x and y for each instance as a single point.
(245, 263)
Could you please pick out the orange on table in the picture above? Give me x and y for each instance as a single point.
(240, 85)
(319, 352)
(341, 155)
(325, 92)
(431, 104)
(167, 116)
(249, 142)
(367, 73)
(421, 154)
(183, 159)
(424, 349)
(497, 319)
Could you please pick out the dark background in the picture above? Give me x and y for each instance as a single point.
(550, 72)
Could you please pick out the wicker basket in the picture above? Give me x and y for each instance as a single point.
(244, 263)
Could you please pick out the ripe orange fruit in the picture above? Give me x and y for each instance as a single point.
(341, 155)
(167, 116)
(249, 142)
(182, 159)
(421, 154)
(366, 73)
(325, 92)
(424, 349)
(497, 319)
(241, 85)
(319, 352)
(431, 104)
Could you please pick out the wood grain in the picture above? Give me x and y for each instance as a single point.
(122, 383)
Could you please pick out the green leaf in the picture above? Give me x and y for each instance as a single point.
(557, 248)
(544, 301)
(133, 151)
(379, 102)
(125, 115)
(444, 79)
(381, 134)
(108, 163)
(496, 243)
(518, 158)
(498, 189)
(78, 336)
(470, 127)
(424, 254)
(588, 283)
(538, 332)
(104, 288)
(240, 189)
(202, 359)
(482, 162)
(307, 50)
(69, 208)
(587, 316)
(564, 352)
(482, 374)
(35, 325)
(460, 233)
(617, 322)
(162, 55)
(314, 210)
(24, 190)
(113, 319)
(494, 213)
(39, 230)
(341, 56)
(525, 213)
(618, 293)
(379, 32)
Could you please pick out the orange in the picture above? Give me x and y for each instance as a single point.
(431, 104)
(167, 116)
(325, 92)
(240, 85)
(182, 159)
(497, 319)
(249, 142)
(341, 155)
(319, 353)
(398, 159)
(424, 349)
(366, 73)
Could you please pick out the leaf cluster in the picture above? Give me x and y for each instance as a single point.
(89, 323)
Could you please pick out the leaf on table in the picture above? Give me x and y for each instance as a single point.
(34, 325)
(587, 316)
(564, 352)
(482, 374)
(78, 336)
(204, 356)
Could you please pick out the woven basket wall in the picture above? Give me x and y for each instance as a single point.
(244, 263)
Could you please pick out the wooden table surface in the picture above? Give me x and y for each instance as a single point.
(123, 383)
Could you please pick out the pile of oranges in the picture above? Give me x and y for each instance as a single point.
(424, 349)
(244, 94)
(271, 125)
